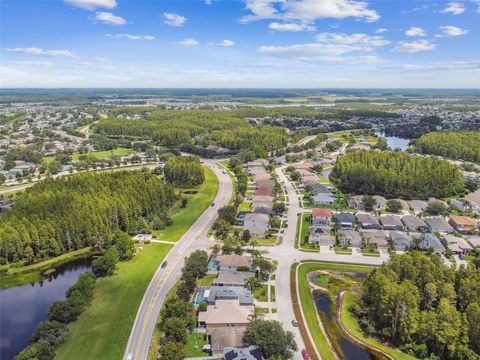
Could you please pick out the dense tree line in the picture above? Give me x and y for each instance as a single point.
(427, 308)
(396, 174)
(184, 171)
(457, 145)
(64, 214)
(200, 127)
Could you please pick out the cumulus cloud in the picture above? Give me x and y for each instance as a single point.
(415, 31)
(226, 43)
(381, 31)
(293, 27)
(41, 52)
(415, 46)
(109, 18)
(92, 4)
(308, 10)
(208, 2)
(173, 19)
(131, 37)
(363, 40)
(450, 30)
(454, 8)
(188, 42)
(477, 2)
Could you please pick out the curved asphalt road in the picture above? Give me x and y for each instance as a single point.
(164, 279)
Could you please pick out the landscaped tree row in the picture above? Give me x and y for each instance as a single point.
(202, 127)
(396, 174)
(426, 308)
(184, 171)
(60, 215)
(457, 145)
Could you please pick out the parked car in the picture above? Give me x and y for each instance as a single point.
(213, 204)
(305, 354)
(294, 322)
(164, 264)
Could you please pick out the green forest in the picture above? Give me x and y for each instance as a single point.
(202, 127)
(59, 215)
(457, 145)
(396, 174)
(184, 171)
(428, 309)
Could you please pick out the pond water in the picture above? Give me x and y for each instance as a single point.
(350, 351)
(395, 141)
(23, 307)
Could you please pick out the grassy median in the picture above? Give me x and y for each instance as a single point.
(183, 218)
(103, 329)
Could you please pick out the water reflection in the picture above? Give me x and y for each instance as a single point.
(23, 307)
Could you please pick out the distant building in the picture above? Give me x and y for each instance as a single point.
(233, 262)
(463, 224)
(417, 205)
(438, 224)
(391, 222)
(414, 223)
(243, 353)
(378, 238)
(368, 221)
(346, 220)
(401, 241)
(321, 218)
(350, 238)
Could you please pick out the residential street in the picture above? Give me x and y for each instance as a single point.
(165, 278)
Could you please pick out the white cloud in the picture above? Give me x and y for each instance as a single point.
(188, 42)
(226, 43)
(92, 4)
(415, 31)
(454, 8)
(40, 52)
(208, 2)
(175, 20)
(477, 2)
(363, 40)
(308, 10)
(109, 18)
(293, 27)
(131, 37)
(381, 31)
(450, 30)
(415, 46)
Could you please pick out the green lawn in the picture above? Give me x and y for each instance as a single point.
(267, 241)
(103, 329)
(97, 154)
(303, 225)
(261, 293)
(245, 206)
(370, 252)
(351, 325)
(196, 339)
(183, 218)
(207, 280)
(342, 249)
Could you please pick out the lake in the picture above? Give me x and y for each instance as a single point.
(23, 307)
(395, 142)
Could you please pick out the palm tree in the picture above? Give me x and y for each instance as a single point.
(252, 282)
(253, 242)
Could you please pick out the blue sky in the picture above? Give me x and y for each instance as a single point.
(251, 43)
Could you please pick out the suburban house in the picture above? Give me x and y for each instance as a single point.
(241, 294)
(438, 224)
(233, 262)
(391, 222)
(251, 352)
(345, 220)
(264, 190)
(255, 219)
(463, 224)
(379, 238)
(263, 199)
(350, 238)
(474, 200)
(401, 241)
(262, 207)
(322, 199)
(417, 205)
(414, 223)
(321, 218)
(232, 278)
(460, 204)
(430, 241)
(321, 236)
(380, 202)
(368, 221)
(258, 231)
(356, 201)
(456, 244)
(474, 241)
(225, 323)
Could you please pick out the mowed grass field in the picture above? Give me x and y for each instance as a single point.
(183, 218)
(97, 154)
(102, 331)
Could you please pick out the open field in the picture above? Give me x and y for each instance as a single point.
(183, 218)
(103, 329)
(97, 154)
